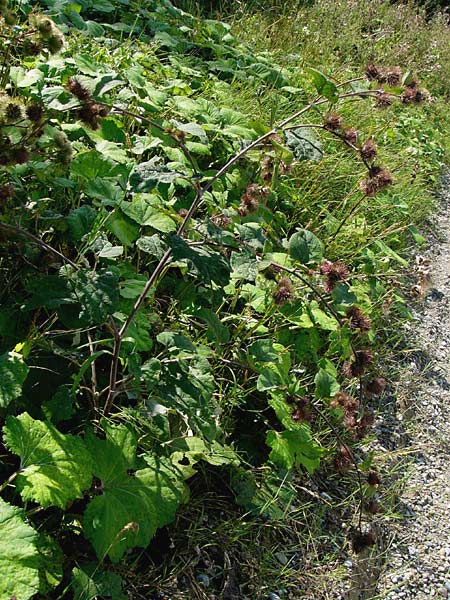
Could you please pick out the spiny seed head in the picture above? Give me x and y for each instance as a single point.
(19, 156)
(44, 25)
(344, 401)
(332, 121)
(267, 166)
(351, 135)
(10, 18)
(383, 100)
(253, 195)
(13, 111)
(89, 113)
(413, 96)
(79, 90)
(31, 47)
(361, 541)
(368, 150)
(34, 112)
(221, 220)
(55, 43)
(284, 291)
(301, 414)
(6, 192)
(373, 72)
(364, 425)
(334, 272)
(343, 460)
(393, 76)
(350, 420)
(373, 478)
(355, 368)
(412, 83)
(379, 179)
(358, 320)
(302, 410)
(376, 386)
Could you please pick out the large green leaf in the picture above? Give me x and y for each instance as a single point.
(131, 507)
(305, 247)
(80, 221)
(115, 454)
(147, 175)
(13, 372)
(209, 265)
(97, 292)
(55, 468)
(294, 448)
(304, 144)
(19, 558)
(146, 212)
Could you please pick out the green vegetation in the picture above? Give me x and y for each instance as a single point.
(203, 227)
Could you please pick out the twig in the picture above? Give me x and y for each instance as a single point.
(39, 242)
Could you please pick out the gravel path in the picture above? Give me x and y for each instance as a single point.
(418, 560)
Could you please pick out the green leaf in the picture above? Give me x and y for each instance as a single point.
(132, 507)
(132, 288)
(91, 164)
(147, 175)
(209, 265)
(124, 228)
(105, 190)
(326, 384)
(244, 266)
(305, 247)
(321, 319)
(387, 251)
(145, 213)
(304, 144)
(19, 558)
(216, 329)
(193, 449)
(51, 563)
(323, 85)
(89, 582)
(114, 455)
(13, 372)
(97, 292)
(80, 221)
(152, 245)
(55, 468)
(294, 448)
(60, 406)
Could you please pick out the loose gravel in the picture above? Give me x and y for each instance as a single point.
(417, 563)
